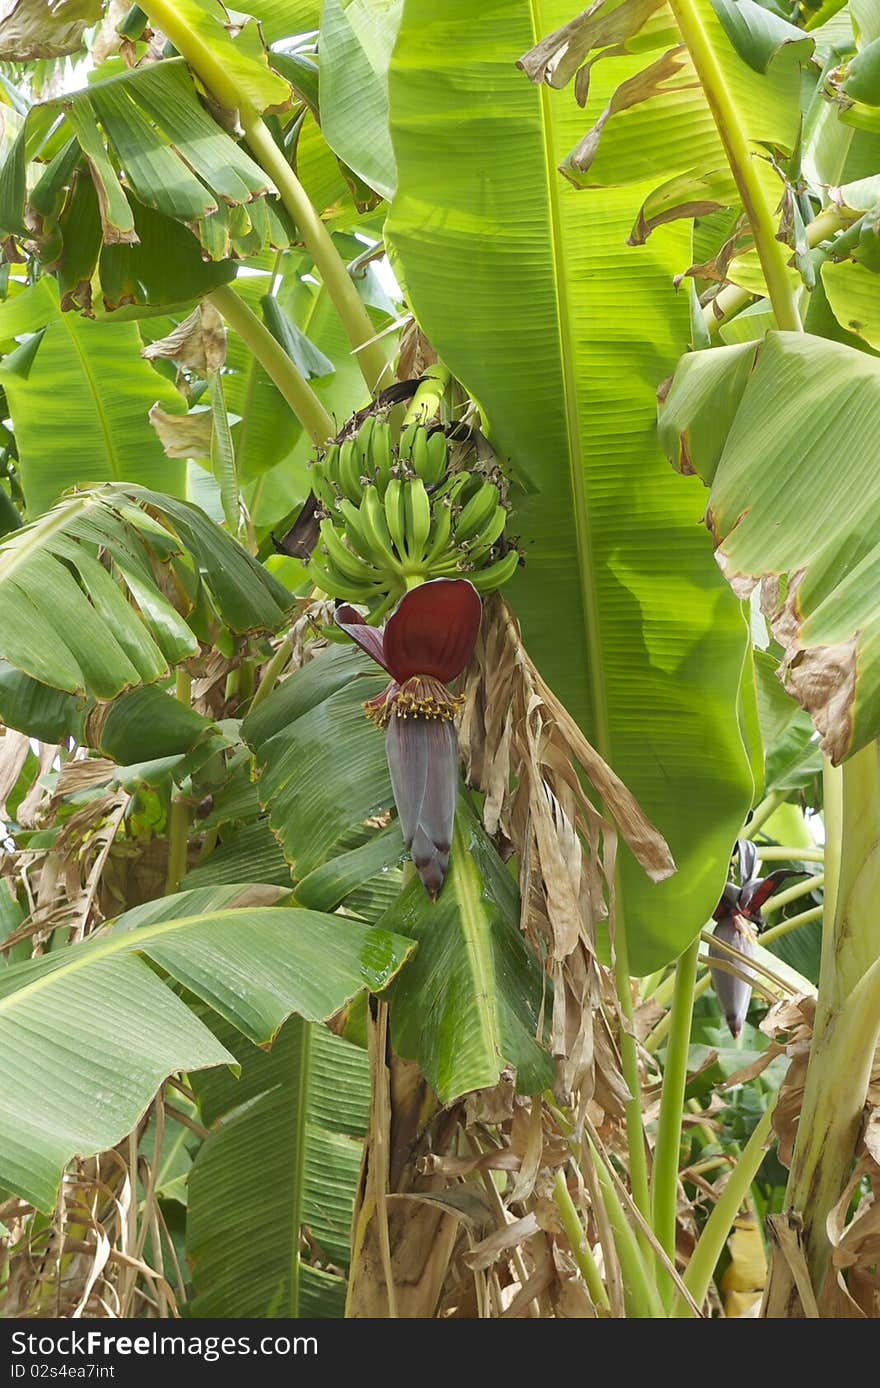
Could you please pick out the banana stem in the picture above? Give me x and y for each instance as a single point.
(276, 363)
(733, 297)
(772, 255)
(635, 1135)
(785, 927)
(207, 62)
(353, 315)
(720, 1222)
(426, 401)
(580, 1248)
(664, 1187)
(640, 1293)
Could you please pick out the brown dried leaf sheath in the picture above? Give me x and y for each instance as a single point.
(526, 753)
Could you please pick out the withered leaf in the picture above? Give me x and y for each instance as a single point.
(198, 343)
(183, 435)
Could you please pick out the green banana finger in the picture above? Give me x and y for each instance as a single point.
(438, 458)
(364, 441)
(477, 512)
(418, 519)
(380, 447)
(323, 489)
(348, 564)
(489, 535)
(408, 440)
(487, 580)
(440, 533)
(358, 533)
(451, 487)
(350, 471)
(326, 577)
(375, 526)
(394, 514)
(419, 452)
(329, 464)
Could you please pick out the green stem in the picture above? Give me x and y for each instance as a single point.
(269, 677)
(771, 253)
(832, 818)
(635, 1136)
(848, 1014)
(276, 363)
(640, 1294)
(711, 1242)
(839, 1073)
(784, 927)
(580, 1248)
(810, 884)
(668, 1144)
(353, 315)
(733, 297)
(764, 810)
(772, 854)
(426, 401)
(178, 820)
(208, 65)
(660, 1031)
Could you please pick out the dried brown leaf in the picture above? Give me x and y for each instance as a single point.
(198, 343)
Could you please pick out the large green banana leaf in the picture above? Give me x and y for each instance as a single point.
(473, 1002)
(71, 623)
(296, 1116)
(529, 293)
(91, 379)
(455, 1010)
(770, 427)
(357, 37)
(88, 1033)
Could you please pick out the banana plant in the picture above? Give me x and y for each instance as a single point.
(511, 548)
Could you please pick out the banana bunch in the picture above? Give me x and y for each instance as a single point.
(397, 515)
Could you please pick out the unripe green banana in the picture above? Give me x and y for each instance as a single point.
(452, 487)
(352, 569)
(441, 530)
(487, 580)
(394, 514)
(418, 454)
(438, 458)
(477, 512)
(381, 456)
(374, 524)
(329, 464)
(326, 576)
(323, 489)
(489, 535)
(364, 441)
(408, 439)
(417, 516)
(358, 534)
(350, 471)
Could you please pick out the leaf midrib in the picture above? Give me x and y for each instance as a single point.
(103, 422)
(474, 933)
(583, 528)
(125, 941)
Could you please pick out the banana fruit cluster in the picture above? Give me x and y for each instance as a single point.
(398, 515)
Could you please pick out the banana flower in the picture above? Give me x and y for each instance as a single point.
(739, 920)
(425, 644)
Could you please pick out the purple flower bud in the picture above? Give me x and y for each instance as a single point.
(423, 761)
(733, 993)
